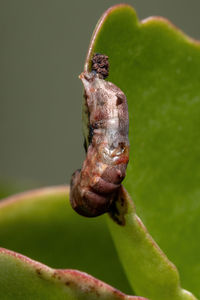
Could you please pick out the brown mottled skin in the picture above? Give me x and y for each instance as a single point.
(100, 65)
(94, 187)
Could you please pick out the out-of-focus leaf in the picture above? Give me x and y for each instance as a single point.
(42, 225)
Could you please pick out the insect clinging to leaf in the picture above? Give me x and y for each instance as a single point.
(94, 187)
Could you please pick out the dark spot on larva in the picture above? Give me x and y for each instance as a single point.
(121, 145)
(91, 133)
(96, 125)
(67, 283)
(119, 99)
(100, 65)
(85, 145)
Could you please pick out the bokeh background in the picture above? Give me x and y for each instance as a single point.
(42, 52)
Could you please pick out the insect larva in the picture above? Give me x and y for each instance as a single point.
(94, 187)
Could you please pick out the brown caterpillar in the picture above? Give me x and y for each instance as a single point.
(94, 187)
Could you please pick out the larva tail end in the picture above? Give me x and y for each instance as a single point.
(85, 201)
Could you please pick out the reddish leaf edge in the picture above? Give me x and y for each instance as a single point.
(77, 281)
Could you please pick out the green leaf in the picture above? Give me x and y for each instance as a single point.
(150, 272)
(42, 225)
(23, 278)
(158, 68)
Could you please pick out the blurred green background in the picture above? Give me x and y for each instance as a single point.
(43, 47)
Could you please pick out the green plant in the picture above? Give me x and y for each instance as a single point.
(157, 68)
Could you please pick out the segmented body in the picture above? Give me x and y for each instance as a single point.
(93, 188)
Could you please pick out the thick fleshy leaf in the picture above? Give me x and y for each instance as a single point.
(158, 68)
(23, 278)
(42, 225)
(149, 270)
